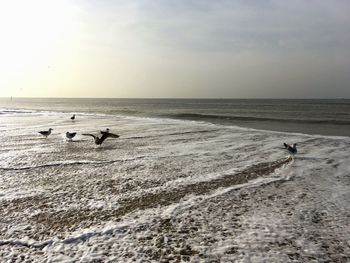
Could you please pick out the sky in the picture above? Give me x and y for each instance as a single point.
(175, 49)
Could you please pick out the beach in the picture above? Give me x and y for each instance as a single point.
(169, 190)
(175, 131)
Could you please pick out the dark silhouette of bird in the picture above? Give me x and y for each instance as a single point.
(104, 136)
(291, 149)
(46, 133)
(73, 117)
(70, 135)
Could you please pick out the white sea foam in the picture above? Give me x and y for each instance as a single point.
(135, 198)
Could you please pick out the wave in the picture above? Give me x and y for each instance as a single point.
(68, 163)
(13, 111)
(197, 116)
(187, 116)
(170, 134)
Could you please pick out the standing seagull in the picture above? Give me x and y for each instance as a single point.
(291, 149)
(104, 136)
(73, 117)
(46, 133)
(70, 135)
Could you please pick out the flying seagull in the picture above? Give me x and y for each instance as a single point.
(291, 149)
(104, 136)
(46, 133)
(73, 117)
(70, 135)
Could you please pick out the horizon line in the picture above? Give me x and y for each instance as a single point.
(180, 98)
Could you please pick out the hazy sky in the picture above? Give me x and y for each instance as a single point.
(175, 48)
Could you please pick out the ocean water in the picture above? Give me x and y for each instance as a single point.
(182, 183)
(324, 117)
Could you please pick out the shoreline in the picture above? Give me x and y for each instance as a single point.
(254, 126)
(167, 191)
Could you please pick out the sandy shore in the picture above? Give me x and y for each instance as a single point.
(291, 220)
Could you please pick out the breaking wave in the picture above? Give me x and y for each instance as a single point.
(197, 116)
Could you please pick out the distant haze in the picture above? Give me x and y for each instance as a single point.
(175, 49)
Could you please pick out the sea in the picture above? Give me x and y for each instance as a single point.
(310, 116)
(188, 180)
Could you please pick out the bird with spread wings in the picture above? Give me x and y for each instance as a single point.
(100, 140)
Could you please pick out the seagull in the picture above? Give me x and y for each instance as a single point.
(73, 117)
(104, 136)
(46, 133)
(291, 149)
(70, 135)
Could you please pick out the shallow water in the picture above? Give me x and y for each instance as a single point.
(167, 190)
